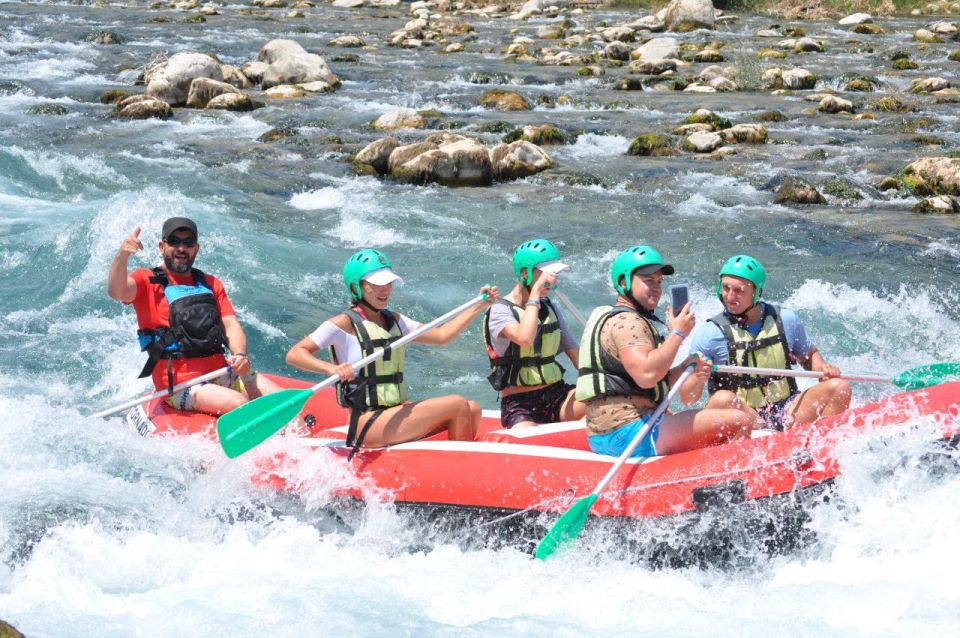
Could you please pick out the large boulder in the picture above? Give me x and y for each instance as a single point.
(463, 162)
(504, 100)
(796, 191)
(377, 154)
(799, 79)
(202, 90)
(235, 77)
(289, 63)
(834, 104)
(518, 159)
(703, 142)
(142, 107)
(854, 19)
(231, 102)
(932, 176)
(687, 15)
(398, 119)
(745, 134)
(939, 204)
(657, 50)
(928, 85)
(170, 81)
(403, 154)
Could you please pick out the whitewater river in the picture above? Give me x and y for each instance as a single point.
(104, 533)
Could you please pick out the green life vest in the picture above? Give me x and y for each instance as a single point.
(602, 375)
(380, 384)
(769, 349)
(535, 364)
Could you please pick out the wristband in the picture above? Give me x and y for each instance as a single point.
(679, 333)
(241, 354)
(532, 302)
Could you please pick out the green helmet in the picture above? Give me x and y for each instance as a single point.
(630, 260)
(529, 254)
(744, 267)
(358, 266)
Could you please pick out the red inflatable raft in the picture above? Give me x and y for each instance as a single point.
(545, 468)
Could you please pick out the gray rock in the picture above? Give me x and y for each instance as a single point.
(795, 191)
(854, 19)
(170, 81)
(142, 107)
(658, 49)
(933, 176)
(702, 142)
(834, 104)
(289, 63)
(231, 102)
(939, 205)
(518, 159)
(686, 15)
(799, 79)
(398, 119)
(202, 90)
(377, 154)
(464, 162)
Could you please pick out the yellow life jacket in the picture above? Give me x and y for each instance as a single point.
(769, 349)
(380, 384)
(601, 375)
(535, 364)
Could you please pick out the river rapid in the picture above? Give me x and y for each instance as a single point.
(104, 533)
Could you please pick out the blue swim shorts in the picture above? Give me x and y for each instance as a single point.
(615, 442)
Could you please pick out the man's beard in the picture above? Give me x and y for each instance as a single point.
(179, 268)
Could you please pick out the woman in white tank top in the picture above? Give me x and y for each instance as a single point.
(381, 415)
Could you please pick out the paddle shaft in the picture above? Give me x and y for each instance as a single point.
(779, 372)
(358, 365)
(569, 306)
(402, 341)
(643, 432)
(162, 393)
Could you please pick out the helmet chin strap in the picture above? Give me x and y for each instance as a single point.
(364, 302)
(640, 309)
(740, 318)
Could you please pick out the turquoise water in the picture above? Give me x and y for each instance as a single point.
(103, 533)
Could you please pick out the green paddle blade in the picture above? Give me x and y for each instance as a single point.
(925, 376)
(254, 422)
(567, 528)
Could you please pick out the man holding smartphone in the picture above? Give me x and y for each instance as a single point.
(753, 333)
(626, 369)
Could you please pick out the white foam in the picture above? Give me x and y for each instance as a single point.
(63, 166)
(362, 210)
(592, 145)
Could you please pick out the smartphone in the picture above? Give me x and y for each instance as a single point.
(679, 296)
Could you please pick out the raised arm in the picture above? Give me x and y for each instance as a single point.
(120, 285)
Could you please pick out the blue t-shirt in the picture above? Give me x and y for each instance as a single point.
(709, 341)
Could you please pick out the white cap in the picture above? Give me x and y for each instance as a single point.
(552, 266)
(382, 277)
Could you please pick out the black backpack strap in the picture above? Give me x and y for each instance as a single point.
(351, 431)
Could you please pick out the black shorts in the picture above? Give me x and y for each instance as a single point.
(539, 406)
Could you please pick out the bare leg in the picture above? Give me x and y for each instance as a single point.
(693, 429)
(412, 421)
(827, 398)
(215, 399)
(259, 386)
(724, 399)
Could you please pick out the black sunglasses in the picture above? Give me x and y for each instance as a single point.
(186, 242)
